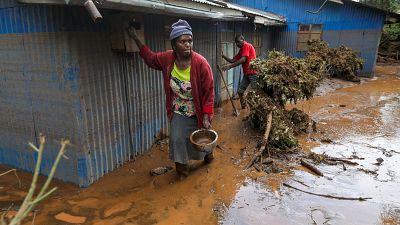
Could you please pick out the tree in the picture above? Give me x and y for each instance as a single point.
(389, 5)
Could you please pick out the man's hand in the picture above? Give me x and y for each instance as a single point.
(206, 121)
(226, 67)
(131, 32)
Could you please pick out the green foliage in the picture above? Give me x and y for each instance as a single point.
(390, 5)
(285, 78)
(391, 32)
(340, 62)
(281, 136)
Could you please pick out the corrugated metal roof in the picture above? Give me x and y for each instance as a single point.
(207, 2)
(256, 12)
(203, 9)
(245, 10)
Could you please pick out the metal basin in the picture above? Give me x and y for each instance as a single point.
(204, 140)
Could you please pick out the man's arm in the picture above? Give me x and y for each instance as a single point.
(227, 58)
(234, 64)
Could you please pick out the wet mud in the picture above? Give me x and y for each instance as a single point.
(360, 120)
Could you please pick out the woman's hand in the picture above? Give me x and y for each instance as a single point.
(206, 121)
(131, 32)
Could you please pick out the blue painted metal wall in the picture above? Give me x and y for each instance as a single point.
(58, 76)
(39, 88)
(350, 24)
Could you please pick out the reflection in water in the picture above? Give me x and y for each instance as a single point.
(368, 127)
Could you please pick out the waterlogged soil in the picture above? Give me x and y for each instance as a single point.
(361, 121)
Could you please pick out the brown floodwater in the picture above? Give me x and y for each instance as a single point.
(360, 121)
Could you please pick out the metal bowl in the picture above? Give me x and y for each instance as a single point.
(204, 140)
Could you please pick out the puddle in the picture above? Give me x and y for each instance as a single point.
(362, 121)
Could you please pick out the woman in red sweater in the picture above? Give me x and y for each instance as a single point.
(189, 92)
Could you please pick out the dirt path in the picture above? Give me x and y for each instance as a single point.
(353, 117)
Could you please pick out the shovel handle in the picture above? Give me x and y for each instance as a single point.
(226, 86)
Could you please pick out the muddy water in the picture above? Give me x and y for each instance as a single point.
(362, 121)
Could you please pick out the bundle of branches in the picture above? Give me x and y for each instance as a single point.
(281, 136)
(281, 79)
(345, 63)
(342, 62)
(317, 57)
(285, 78)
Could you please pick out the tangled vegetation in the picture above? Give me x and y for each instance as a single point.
(342, 62)
(283, 79)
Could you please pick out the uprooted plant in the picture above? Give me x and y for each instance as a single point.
(30, 200)
(342, 62)
(283, 79)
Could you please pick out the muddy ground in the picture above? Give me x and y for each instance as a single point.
(360, 120)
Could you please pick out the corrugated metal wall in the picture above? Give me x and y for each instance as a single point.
(39, 89)
(350, 24)
(59, 76)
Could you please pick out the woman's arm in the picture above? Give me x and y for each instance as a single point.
(207, 86)
(152, 59)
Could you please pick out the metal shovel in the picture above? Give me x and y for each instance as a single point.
(235, 112)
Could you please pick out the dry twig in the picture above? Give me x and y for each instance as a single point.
(326, 196)
(30, 201)
(15, 172)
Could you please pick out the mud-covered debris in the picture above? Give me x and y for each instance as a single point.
(160, 170)
(379, 161)
(281, 79)
(342, 62)
(299, 119)
(318, 158)
(281, 136)
(285, 78)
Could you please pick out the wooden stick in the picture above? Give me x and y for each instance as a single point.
(15, 172)
(265, 141)
(342, 160)
(311, 167)
(327, 196)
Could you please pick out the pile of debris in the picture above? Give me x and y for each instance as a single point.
(283, 79)
(342, 62)
(389, 51)
(389, 48)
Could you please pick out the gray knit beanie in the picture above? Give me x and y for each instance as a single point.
(180, 28)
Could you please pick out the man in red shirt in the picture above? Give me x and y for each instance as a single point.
(243, 57)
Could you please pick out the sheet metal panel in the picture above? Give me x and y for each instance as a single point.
(70, 85)
(39, 80)
(334, 16)
(60, 77)
(145, 89)
(16, 120)
(37, 105)
(105, 127)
